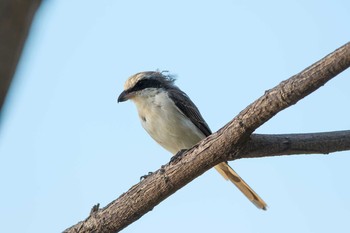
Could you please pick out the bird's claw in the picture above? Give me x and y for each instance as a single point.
(177, 156)
(145, 176)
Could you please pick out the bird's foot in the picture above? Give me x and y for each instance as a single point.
(145, 176)
(177, 156)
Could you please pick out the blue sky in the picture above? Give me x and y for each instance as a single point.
(65, 143)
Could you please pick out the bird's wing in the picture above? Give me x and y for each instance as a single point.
(189, 109)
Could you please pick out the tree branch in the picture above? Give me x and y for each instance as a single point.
(226, 144)
(262, 145)
(15, 20)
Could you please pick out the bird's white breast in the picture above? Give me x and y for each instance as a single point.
(165, 122)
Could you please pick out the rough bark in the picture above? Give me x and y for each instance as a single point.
(229, 143)
(15, 20)
(262, 145)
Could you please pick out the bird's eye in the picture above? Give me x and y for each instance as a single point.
(147, 83)
(142, 84)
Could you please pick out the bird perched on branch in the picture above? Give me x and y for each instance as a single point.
(173, 120)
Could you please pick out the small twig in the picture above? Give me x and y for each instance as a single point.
(95, 209)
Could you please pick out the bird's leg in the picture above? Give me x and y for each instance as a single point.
(145, 176)
(177, 156)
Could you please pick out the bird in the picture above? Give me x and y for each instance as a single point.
(171, 118)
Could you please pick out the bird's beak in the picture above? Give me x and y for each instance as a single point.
(124, 96)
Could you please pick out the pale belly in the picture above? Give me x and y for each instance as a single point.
(169, 127)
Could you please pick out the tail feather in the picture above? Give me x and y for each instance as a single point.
(229, 174)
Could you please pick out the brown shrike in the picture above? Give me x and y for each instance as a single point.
(174, 121)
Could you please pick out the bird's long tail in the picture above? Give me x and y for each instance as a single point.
(229, 174)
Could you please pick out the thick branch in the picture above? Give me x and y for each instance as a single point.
(223, 145)
(262, 145)
(15, 19)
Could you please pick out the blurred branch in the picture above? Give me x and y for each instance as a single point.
(15, 20)
(229, 143)
(262, 145)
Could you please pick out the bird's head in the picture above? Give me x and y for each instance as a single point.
(144, 83)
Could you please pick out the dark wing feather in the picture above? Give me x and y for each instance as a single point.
(189, 109)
